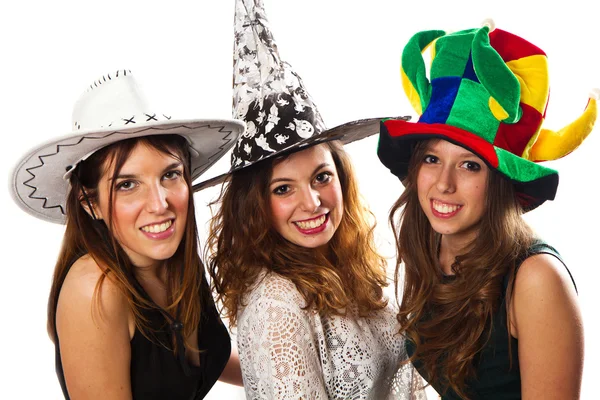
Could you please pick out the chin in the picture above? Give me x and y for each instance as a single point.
(163, 255)
(314, 244)
(311, 245)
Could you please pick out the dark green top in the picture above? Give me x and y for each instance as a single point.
(496, 380)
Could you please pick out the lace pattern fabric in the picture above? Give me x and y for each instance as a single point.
(287, 352)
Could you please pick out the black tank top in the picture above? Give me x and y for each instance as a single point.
(155, 371)
(496, 379)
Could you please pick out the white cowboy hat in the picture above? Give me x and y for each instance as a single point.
(111, 109)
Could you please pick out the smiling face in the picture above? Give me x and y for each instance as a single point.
(306, 197)
(150, 204)
(452, 185)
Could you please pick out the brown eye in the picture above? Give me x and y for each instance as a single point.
(126, 185)
(429, 159)
(323, 177)
(472, 166)
(281, 190)
(172, 175)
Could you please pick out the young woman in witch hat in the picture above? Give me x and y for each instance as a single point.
(130, 312)
(293, 256)
(489, 309)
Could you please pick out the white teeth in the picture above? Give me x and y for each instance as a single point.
(158, 228)
(315, 223)
(444, 208)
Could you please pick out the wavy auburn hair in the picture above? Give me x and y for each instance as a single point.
(85, 235)
(243, 243)
(450, 322)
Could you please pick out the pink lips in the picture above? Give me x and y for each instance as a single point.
(443, 215)
(312, 231)
(160, 235)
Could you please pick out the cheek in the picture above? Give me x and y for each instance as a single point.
(179, 199)
(481, 196)
(423, 184)
(478, 191)
(477, 195)
(125, 213)
(281, 210)
(337, 196)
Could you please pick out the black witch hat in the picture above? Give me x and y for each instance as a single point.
(270, 97)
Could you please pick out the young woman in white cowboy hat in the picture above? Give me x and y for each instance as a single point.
(130, 311)
(293, 255)
(489, 310)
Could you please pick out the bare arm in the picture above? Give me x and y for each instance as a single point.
(232, 373)
(547, 321)
(94, 340)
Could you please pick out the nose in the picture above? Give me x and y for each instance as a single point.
(157, 199)
(446, 180)
(311, 200)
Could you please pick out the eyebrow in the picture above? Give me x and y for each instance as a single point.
(468, 155)
(463, 154)
(283, 179)
(132, 176)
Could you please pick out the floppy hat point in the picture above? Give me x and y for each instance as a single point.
(487, 91)
(489, 22)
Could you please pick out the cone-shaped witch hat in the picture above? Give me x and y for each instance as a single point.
(280, 115)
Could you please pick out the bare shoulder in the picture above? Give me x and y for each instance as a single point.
(94, 327)
(546, 320)
(544, 274)
(543, 289)
(77, 299)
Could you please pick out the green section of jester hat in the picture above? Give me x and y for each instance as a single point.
(487, 91)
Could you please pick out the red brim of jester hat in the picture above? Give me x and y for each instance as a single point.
(488, 92)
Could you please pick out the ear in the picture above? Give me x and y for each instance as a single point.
(86, 203)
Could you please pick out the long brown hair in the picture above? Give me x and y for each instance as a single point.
(450, 322)
(244, 243)
(86, 235)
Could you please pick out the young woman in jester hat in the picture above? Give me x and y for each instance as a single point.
(130, 311)
(293, 255)
(482, 295)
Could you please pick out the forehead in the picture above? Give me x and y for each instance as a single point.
(446, 147)
(142, 158)
(304, 162)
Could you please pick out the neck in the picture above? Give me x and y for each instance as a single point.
(450, 248)
(324, 250)
(153, 280)
(148, 273)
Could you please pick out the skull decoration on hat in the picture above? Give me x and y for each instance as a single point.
(292, 242)
(272, 99)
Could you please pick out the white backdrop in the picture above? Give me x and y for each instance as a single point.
(348, 55)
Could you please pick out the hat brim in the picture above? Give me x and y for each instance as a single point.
(346, 133)
(39, 183)
(533, 182)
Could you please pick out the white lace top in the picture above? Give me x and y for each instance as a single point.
(290, 353)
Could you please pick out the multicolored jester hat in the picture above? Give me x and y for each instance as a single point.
(488, 92)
